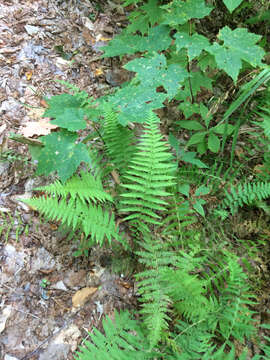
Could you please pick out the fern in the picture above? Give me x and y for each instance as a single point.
(75, 204)
(118, 140)
(245, 194)
(153, 295)
(124, 339)
(84, 186)
(150, 171)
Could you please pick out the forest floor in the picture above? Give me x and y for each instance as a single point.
(49, 298)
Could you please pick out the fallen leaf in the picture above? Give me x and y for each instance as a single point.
(43, 103)
(4, 316)
(28, 75)
(99, 72)
(81, 296)
(41, 127)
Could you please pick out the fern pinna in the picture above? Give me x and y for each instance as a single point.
(150, 172)
(77, 204)
(245, 194)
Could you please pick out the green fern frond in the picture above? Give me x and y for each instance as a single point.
(118, 140)
(123, 339)
(154, 299)
(75, 213)
(179, 218)
(84, 186)
(233, 317)
(245, 194)
(150, 172)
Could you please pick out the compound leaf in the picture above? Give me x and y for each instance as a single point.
(61, 154)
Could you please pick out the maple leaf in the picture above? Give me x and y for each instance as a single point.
(67, 111)
(158, 39)
(61, 153)
(194, 44)
(238, 45)
(179, 12)
(154, 72)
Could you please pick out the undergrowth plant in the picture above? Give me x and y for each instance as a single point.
(169, 188)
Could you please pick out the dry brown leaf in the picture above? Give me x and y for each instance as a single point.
(81, 296)
(28, 75)
(99, 72)
(41, 127)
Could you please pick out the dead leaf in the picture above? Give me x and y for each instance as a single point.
(81, 296)
(43, 103)
(4, 316)
(28, 75)
(41, 127)
(99, 72)
(36, 113)
(2, 128)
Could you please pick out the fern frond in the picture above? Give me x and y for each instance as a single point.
(124, 339)
(118, 140)
(245, 194)
(154, 299)
(178, 219)
(233, 317)
(84, 186)
(150, 172)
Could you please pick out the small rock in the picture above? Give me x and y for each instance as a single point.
(43, 260)
(9, 357)
(59, 286)
(31, 30)
(75, 279)
(55, 352)
(4, 166)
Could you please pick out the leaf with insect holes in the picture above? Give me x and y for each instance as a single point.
(67, 111)
(179, 12)
(144, 100)
(194, 44)
(71, 119)
(154, 72)
(158, 39)
(238, 45)
(61, 154)
(231, 5)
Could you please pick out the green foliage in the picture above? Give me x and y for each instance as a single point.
(76, 204)
(119, 152)
(245, 194)
(195, 298)
(124, 339)
(230, 55)
(232, 4)
(61, 153)
(150, 172)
